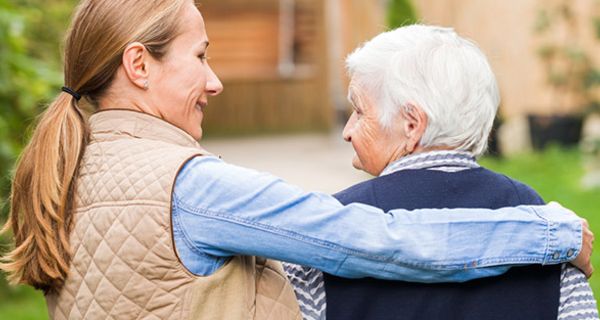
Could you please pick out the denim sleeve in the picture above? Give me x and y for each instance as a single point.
(223, 210)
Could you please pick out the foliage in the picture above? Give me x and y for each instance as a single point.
(400, 13)
(29, 72)
(30, 33)
(570, 70)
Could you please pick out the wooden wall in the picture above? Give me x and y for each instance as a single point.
(267, 106)
(244, 43)
(349, 24)
(505, 32)
(245, 53)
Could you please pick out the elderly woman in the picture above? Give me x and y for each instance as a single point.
(123, 215)
(424, 100)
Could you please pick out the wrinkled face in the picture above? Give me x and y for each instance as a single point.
(184, 79)
(375, 146)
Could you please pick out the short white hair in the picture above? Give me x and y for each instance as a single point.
(433, 68)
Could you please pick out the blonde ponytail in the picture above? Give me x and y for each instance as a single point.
(43, 189)
(41, 213)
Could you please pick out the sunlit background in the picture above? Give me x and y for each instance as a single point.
(284, 104)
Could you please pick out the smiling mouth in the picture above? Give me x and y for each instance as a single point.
(200, 105)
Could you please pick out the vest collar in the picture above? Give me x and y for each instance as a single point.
(138, 125)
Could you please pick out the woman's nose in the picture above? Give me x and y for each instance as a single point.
(213, 84)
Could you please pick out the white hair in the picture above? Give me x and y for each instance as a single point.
(435, 69)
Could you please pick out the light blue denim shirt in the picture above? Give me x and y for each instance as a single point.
(221, 210)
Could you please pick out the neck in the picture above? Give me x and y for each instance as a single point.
(122, 95)
(420, 149)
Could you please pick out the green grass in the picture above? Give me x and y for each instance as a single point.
(21, 303)
(555, 174)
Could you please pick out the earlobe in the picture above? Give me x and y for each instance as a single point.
(135, 63)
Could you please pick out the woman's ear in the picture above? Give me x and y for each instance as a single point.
(135, 63)
(415, 124)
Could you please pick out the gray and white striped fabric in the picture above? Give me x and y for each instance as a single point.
(577, 301)
(310, 290)
(576, 298)
(443, 160)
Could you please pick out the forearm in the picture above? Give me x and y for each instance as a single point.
(256, 214)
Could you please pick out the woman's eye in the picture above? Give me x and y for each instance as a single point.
(203, 57)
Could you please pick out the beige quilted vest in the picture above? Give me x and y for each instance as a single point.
(124, 263)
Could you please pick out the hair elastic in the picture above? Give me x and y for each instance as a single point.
(72, 92)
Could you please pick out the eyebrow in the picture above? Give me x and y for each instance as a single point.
(351, 100)
(204, 45)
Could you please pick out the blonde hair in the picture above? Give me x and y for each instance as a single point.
(43, 188)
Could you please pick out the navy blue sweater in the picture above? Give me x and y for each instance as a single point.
(530, 292)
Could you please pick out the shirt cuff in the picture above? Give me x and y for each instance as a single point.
(564, 233)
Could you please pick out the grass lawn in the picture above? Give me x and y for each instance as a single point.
(22, 303)
(555, 174)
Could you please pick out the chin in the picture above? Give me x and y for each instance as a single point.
(194, 128)
(357, 164)
(194, 131)
(372, 171)
(197, 134)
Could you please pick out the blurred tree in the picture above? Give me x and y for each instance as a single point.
(400, 13)
(30, 74)
(30, 37)
(570, 69)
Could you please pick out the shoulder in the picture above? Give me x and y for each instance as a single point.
(360, 192)
(524, 192)
(205, 171)
(368, 192)
(205, 168)
(136, 154)
(200, 162)
(226, 186)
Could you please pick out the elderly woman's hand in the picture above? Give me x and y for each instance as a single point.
(583, 261)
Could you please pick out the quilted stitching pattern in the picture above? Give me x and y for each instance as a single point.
(123, 258)
(123, 264)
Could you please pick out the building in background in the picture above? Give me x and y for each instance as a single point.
(281, 61)
(271, 57)
(505, 30)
